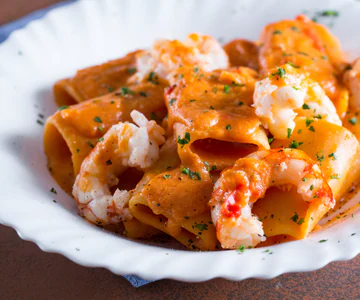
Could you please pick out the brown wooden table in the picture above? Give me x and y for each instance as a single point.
(28, 273)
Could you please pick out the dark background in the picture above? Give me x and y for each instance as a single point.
(28, 273)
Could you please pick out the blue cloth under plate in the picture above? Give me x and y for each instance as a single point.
(5, 31)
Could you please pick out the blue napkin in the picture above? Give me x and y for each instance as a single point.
(5, 31)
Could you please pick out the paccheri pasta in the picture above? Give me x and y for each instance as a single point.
(218, 147)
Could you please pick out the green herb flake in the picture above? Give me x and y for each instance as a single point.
(295, 217)
(63, 107)
(295, 88)
(125, 91)
(305, 106)
(241, 249)
(353, 120)
(192, 100)
(191, 174)
(153, 78)
(335, 176)
(185, 140)
(100, 128)
(280, 72)
(215, 90)
(110, 89)
(323, 241)
(328, 13)
(294, 28)
(332, 155)
(311, 187)
(301, 221)
(186, 217)
(153, 116)
(166, 176)
(293, 65)
(311, 128)
(196, 69)
(109, 162)
(240, 103)
(320, 158)
(270, 140)
(304, 179)
(131, 70)
(90, 144)
(40, 122)
(201, 227)
(171, 102)
(53, 191)
(213, 168)
(97, 119)
(308, 122)
(295, 144)
(101, 139)
(277, 32)
(226, 89)
(143, 94)
(289, 131)
(228, 127)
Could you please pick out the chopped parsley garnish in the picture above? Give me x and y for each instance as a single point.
(97, 119)
(213, 168)
(192, 100)
(353, 120)
(228, 127)
(90, 144)
(305, 106)
(324, 57)
(293, 65)
(153, 78)
(295, 88)
(53, 191)
(77, 151)
(40, 122)
(101, 139)
(125, 91)
(295, 217)
(226, 89)
(294, 28)
(295, 144)
(277, 32)
(303, 53)
(185, 140)
(241, 248)
(191, 174)
(335, 176)
(63, 107)
(131, 70)
(207, 165)
(270, 140)
(311, 128)
(289, 131)
(196, 69)
(332, 155)
(215, 90)
(301, 221)
(280, 71)
(109, 162)
(186, 217)
(201, 227)
(172, 101)
(327, 13)
(241, 103)
(299, 131)
(304, 179)
(308, 122)
(110, 89)
(311, 187)
(143, 94)
(112, 102)
(319, 157)
(323, 241)
(100, 128)
(166, 176)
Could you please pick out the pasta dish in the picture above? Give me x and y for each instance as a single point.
(220, 147)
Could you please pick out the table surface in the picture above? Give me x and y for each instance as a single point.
(29, 273)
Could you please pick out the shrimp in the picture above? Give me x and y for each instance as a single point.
(199, 51)
(287, 93)
(239, 187)
(352, 80)
(124, 145)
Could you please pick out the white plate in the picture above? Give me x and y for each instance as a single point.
(90, 32)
